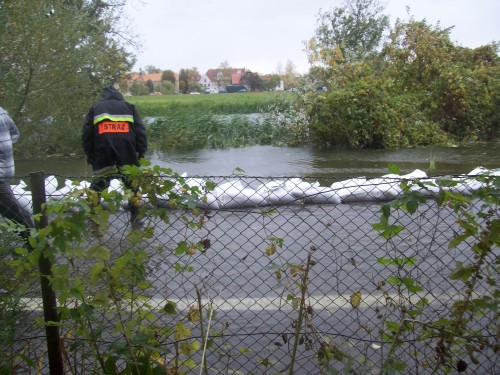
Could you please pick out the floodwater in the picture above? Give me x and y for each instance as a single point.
(270, 161)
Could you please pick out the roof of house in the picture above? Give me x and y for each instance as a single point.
(212, 73)
(235, 79)
(153, 77)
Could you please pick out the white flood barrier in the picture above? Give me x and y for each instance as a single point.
(235, 194)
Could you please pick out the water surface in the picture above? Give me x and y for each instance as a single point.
(269, 161)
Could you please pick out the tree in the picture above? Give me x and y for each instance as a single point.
(253, 81)
(271, 82)
(279, 69)
(55, 58)
(290, 77)
(188, 77)
(417, 52)
(169, 75)
(195, 87)
(152, 69)
(224, 74)
(348, 33)
(419, 90)
(318, 74)
(167, 88)
(139, 88)
(151, 86)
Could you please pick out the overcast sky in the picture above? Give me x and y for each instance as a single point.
(261, 34)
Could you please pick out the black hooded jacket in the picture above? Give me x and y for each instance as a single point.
(113, 134)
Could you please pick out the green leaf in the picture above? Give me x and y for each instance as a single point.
(210, 185)
(414, 313)
(99, 252)
(386, 261)
(386, 210)
(412, 206)
(182, 248)
(394, 169)
(139, 339)
(119, 347)
(239, 170)
(461, 272)
(393, 280)
(457, 240)
(411, 285)
(422, 303)
(181, 331)
(271, 250)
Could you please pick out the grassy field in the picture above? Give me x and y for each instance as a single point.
(211, 104)
(187, 122)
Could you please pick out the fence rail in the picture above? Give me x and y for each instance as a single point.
(260, 276)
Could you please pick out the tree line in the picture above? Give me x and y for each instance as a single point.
(188, 80)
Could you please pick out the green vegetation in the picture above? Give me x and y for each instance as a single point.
(455, 335)
(190, 132)
(57, 56)
(415, 89)
(209, 104)
(134, 341)
(189, 122)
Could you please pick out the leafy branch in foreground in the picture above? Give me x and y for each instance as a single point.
(109, 319)
(455, 334)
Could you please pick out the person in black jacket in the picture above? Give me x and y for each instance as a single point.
(113, 136)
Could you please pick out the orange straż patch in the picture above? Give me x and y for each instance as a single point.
(113, 127)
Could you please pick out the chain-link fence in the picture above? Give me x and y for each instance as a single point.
(261, 276)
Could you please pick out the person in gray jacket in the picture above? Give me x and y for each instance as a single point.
(9, 205)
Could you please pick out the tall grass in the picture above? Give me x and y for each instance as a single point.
(217, 104)
(189, 122)
(190, 132)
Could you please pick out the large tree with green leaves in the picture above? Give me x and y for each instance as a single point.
(55, 58)
(347, 33)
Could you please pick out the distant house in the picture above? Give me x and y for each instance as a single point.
(216, 79)
(144, 77)
(155, 78)
(207, 84)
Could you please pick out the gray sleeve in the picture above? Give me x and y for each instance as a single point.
(9, 125)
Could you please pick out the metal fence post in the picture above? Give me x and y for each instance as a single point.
(56, 367)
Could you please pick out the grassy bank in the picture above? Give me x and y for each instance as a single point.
(209, 131)
(188, 122)
(215, 104)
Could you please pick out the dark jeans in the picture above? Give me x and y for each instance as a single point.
(99, 183)
(11, 209)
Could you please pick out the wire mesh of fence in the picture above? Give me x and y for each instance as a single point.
(255, 275)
